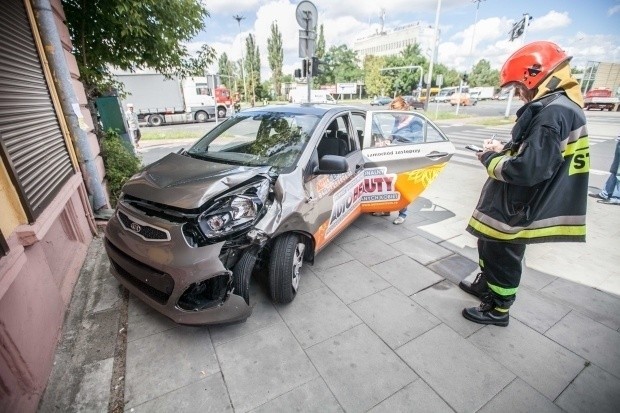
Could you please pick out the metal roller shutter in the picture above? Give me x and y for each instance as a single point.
(31, 142)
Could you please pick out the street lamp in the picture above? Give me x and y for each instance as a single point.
(473, 35)
(239, 17)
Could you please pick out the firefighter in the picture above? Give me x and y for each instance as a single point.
(537, 183)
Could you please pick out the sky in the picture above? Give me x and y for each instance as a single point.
(586, 29)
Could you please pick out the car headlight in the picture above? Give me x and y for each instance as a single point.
(235, 211)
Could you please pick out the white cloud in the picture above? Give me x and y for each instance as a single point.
(550, 21)
(615, 9)
(230, 7)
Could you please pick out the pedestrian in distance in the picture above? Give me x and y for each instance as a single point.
(611, 193)
(406, 129)
(537, 183)
(134, 127)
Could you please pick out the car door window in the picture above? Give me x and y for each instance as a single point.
(359, 121)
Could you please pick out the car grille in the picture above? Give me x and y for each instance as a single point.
(146, 231)
(161, 284)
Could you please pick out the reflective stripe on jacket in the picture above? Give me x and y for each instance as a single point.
(537, 186)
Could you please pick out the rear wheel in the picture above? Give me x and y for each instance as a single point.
(221, 112)
(201, 116)
(156, 120)
(287, 256)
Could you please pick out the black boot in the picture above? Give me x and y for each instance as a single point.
(478, 288)
(487, 313)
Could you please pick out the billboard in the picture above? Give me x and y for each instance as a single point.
(346, 88)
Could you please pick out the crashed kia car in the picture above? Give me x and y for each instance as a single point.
(266, 191)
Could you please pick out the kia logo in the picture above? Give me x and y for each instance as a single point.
(136, 227)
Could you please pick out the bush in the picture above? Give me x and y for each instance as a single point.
(120, 163)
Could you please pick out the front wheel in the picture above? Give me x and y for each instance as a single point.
(156, 120)
(221, 112)
(201, 116)
(287, 257)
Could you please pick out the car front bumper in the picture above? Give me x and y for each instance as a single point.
(161, 272)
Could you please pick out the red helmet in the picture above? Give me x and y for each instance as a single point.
(532, 63)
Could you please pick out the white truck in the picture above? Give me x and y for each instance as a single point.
(300, 95)
(482, 92)
(158, 100)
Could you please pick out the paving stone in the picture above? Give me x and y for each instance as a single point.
(454, 268)
(540, 362)
(388, 232)
(263, 365)
(316, 316)
(446, 302)
(394, 317)
(94, 392)
(592, 341)
(417, 396)
(143, 321)
(594, 390)
(406, 274)
(263, 315)
(370, 250)
(534, 279)
(153, 370)
(313, 396)
(600, 306)
(420, 230)
(464, 376)
(536, 311)
(521, 398)
(464, 244)
(352, 233)
(421, 249)
(308, 281)
(208, 395)
(352, 281)
(359, 368)
(332, 255)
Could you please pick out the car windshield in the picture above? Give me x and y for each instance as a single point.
(274, 139)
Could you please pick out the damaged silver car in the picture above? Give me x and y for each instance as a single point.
(264, 191)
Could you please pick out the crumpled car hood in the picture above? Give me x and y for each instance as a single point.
(183, 182)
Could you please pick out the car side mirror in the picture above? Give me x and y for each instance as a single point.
(332, 164)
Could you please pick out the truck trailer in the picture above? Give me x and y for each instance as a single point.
(158, 100)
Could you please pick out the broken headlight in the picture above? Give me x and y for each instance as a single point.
(234, 212)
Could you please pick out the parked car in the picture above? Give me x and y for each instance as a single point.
(263, 192)
(463, 99)
(380, 101)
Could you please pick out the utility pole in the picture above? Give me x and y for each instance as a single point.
(433, 55)
(239, 17)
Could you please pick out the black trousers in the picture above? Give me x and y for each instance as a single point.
(501, 263)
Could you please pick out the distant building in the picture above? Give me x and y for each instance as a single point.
(601, 75)
(394, 41)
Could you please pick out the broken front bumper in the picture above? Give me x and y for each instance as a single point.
(188, 285)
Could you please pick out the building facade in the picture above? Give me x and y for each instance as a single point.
(601, 75)
(392, 42)
(46, 219)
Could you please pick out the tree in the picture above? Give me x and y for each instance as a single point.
(252, 65)
(320, 44)
(375, 82)
(276, 57)
(340, 65)
(483, 75)
(405, 81)
(131, 35)
(227, 71)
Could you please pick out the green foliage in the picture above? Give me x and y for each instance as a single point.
(483, 75)
(120, 163)
(339, 65)
(276, 57)
(252, 65)
(132, 34)
(320, 44)
(227, 70)
(375, 82)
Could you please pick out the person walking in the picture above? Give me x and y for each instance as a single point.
(134, 127)
(538, 182)
(611, 193)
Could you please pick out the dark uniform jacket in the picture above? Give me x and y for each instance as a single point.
(537, 186)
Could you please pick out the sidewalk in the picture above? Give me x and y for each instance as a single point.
(376, 326)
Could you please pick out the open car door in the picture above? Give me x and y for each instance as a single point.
(403, 153)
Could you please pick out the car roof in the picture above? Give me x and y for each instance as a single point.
(318, 109)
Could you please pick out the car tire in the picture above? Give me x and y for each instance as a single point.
(201, 116)
(287, 256)
(221, 112)
(156, 120)
(242, 273)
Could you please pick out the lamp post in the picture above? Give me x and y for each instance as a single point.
(239, 17)
(473, 35)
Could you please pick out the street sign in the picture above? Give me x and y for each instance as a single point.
(306, 15)
(346, 88)
(307, 43)
(439, 80)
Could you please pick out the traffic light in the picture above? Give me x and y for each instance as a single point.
(465, 77)
(304, 68)
(316, 66)
(297, 73)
